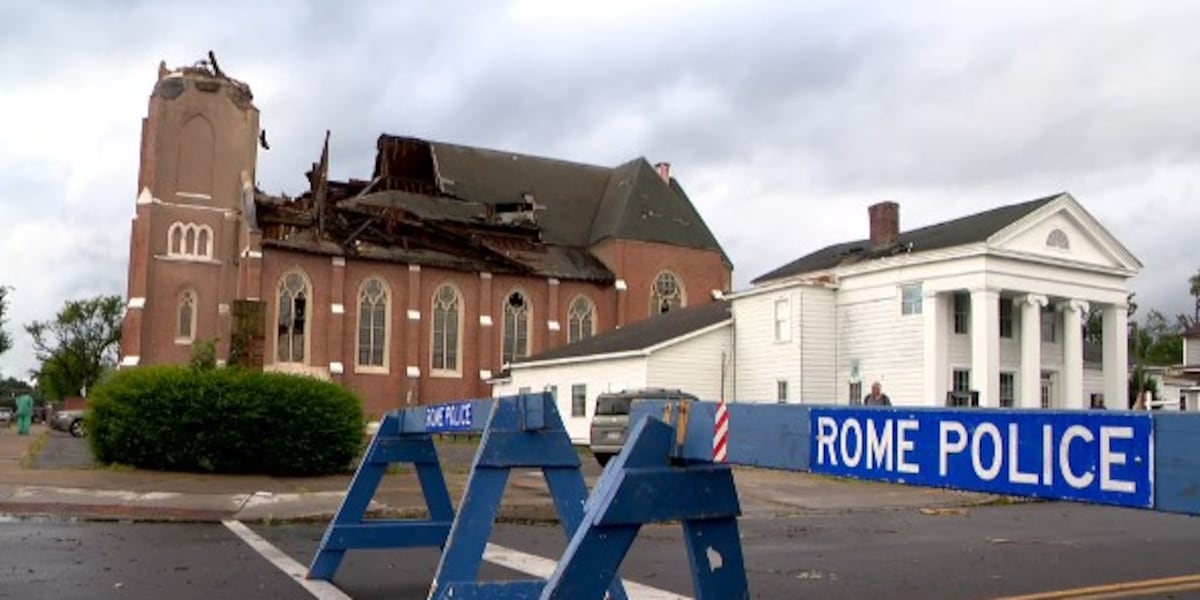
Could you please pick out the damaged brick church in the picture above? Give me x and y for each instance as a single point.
(415, 285)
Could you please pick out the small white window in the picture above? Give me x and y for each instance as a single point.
(579, 400)
(962, 313)
(1058, 239)
(783, 320)
(190, 240)
(781, 390)
(1008, 387)
(961, 380)
(910, 299)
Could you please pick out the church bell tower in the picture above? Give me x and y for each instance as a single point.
(198, 154)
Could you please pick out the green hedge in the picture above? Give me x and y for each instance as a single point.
(224, 421)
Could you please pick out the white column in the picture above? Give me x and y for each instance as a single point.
(985, 345)
(1029, 393)
(1072, 336)
(1116, 356)
(936, 315)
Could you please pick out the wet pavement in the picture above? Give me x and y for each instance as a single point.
(965, 553)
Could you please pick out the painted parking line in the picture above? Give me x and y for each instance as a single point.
(530, 564)
(1129, 589)
(542, 568)
(321, 590)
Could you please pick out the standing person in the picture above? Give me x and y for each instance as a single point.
(24, 413)
(877, 397)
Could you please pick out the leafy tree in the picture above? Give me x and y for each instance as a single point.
(1159, 341)
(56, 380)
(5, 340)
(1093, 325)
(10, 388)
(1140, 382)
(1194, 290)
(79, 345)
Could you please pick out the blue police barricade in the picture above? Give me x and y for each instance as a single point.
(403, 437)
(523, 432)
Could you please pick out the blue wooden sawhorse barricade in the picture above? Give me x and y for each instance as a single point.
(665, 472)
(518, 432)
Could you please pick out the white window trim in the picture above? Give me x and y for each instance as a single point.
(786, 321)
(385, 368)
(309, 323)
(571, 316)
(186, 340)
(920, 298)
(192, 250)
(529, 321)
(457, 371)
(682, 290)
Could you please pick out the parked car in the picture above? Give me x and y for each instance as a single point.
(6, 415)
(610, 420)
(70, 421)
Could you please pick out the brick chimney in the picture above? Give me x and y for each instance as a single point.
(885, 224)
(664, 171)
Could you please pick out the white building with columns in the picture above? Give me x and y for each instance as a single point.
(990, 306)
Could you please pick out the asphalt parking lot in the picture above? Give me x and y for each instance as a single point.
(802, 536)
(978, 552)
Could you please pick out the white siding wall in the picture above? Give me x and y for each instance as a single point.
(599, 376)
(887, 345)
(804, 359)
(694, 365)
(819, 347)
(1093, 383)
(1191, 351)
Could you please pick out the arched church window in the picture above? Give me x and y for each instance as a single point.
(516, 327)
(667, 294)
(372, 323)
(292, 326)
(447, 329)
(581, 319)
(186, 316)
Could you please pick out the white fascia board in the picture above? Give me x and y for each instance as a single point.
(619, 355)
(777, 286)
(1062, 262)
(570, 360)
(687, 336)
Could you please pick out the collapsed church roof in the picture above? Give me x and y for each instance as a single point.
(473, 209)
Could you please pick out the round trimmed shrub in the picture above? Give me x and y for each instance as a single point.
(224, 421)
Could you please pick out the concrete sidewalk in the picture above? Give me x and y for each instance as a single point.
(134, 494)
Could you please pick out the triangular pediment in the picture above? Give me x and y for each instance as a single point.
(1063, 231)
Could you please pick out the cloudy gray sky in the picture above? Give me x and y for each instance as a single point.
(783, 120)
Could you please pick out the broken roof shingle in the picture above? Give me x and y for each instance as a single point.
(556, 209)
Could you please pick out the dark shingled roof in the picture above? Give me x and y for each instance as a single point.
(583, 204)
(966, 230)
(642, 334)
(1193, 331)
